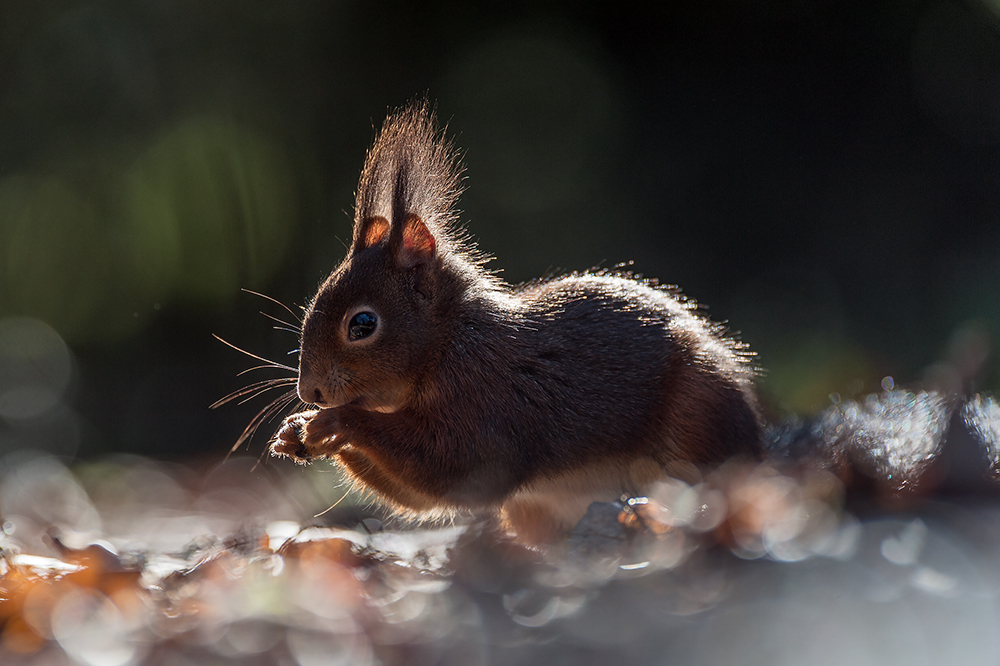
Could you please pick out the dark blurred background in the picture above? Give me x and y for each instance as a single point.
(824, 175)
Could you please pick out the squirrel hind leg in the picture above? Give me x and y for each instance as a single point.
(548, 509)
(532, 523)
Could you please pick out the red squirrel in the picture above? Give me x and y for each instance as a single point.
(439, 387)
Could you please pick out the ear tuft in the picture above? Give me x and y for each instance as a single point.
(419, 245)
(371, 231)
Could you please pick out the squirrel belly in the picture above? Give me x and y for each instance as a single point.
(439, 387)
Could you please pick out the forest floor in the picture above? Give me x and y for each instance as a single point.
(131, 561)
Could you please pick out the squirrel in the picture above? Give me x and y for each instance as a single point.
(440, 388)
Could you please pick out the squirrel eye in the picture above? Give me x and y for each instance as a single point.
(362, 325)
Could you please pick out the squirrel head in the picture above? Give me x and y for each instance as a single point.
(375, 322)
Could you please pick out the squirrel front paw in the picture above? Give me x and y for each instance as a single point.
(306, 436)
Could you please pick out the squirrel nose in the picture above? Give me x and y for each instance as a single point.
(310, 391)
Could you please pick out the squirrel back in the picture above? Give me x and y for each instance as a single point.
(440, 387)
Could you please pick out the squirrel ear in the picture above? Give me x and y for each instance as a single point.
(370, 231)
(418, 242)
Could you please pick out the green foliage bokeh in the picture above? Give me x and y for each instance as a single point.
(821, 175)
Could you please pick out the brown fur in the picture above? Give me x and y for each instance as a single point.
(473, 394)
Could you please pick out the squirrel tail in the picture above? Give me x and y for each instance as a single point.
(899, 442)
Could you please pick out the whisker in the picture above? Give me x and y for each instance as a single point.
(276, 302)
(275, 366)
(260, 459)
(334, 505)
(285, 326)
(259, 358)
(262, 416)
(289, 398)
(262, 391)
(285, 400)
(256, 389)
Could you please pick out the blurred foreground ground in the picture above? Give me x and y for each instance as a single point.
(131, 561)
